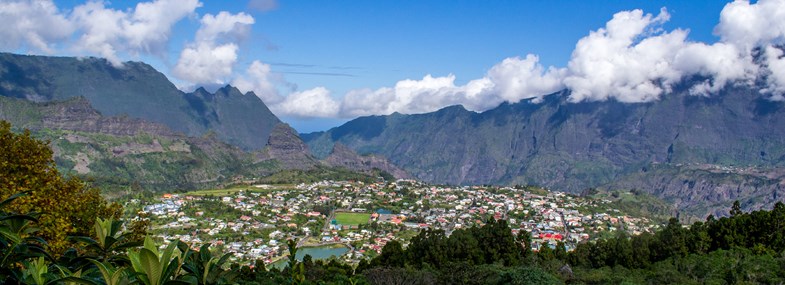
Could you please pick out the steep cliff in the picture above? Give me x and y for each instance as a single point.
(119, 152)
(573, 146)
(342, 156)
(286, 147)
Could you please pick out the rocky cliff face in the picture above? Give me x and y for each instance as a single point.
(77, 115)
(286, 147)
(342, 156)
(699, 190)
(117, 152)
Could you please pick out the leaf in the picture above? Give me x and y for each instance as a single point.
(151, 266)
(6, 233)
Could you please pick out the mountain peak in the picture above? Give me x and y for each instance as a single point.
(229, 91)
(138, 91)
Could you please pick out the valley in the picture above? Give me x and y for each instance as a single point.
(253, 222)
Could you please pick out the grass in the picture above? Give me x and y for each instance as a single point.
(345, 218)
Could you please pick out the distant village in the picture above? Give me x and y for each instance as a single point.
(354, 220)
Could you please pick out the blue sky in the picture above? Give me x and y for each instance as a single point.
(405, 56)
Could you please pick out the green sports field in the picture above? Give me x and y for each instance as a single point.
(346, 218)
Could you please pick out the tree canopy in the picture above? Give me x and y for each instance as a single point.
(64, 205)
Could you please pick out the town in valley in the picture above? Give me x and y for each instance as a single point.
(354, 220)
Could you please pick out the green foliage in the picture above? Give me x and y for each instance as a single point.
(742, 248)
(154, 267)
(66, 205)
(108, 243)
(208, 268)
(492, 243)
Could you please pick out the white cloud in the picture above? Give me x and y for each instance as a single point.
(615, 62)
(759, 26)
(775, 61)
(205, 63)
(262, 81)
(145, 29)
(632, 59)
(721, 63)
(310, 103)
(751, 25)
(211, 58)
(410, 96)
(511, 80)
(515, 79)
(33, 25)
(224, 27)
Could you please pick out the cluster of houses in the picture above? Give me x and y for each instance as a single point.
(255, 223)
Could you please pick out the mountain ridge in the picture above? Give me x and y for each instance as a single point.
(572, 146)
(138, 90)
(145, 131)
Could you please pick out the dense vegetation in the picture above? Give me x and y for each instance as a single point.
(73, 239)
(64, 206)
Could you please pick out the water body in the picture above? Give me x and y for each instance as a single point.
(319, 252)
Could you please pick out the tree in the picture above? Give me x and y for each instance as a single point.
(735, 209)
(525, 239)
(545, 254)
(392, 255)
(498, 243)
(66, 205)
(673, 240)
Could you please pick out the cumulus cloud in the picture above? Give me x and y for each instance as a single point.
(262, 81)
(310, 103)
(33, 25)
(747, 25)
(213, 54)
(145, 29)
(775, 61)
(610, 63)
(631, 59)
(515, 79)
(511, 80)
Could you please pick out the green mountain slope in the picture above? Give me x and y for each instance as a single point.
(119, 152)
(572, 146)
(139, 91)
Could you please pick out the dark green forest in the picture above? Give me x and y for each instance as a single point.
(45, 241)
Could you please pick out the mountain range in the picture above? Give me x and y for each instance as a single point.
(129, 125)
(699, 152)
